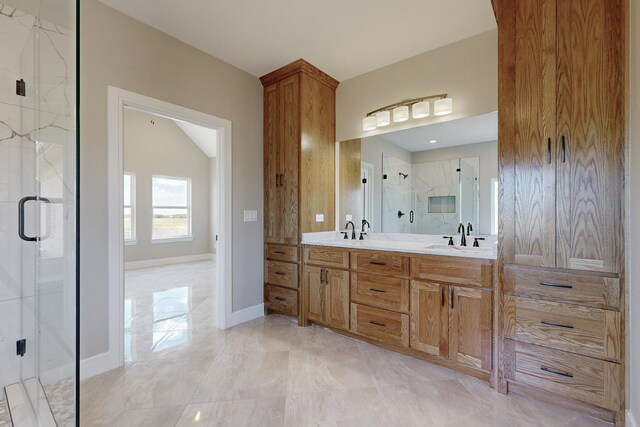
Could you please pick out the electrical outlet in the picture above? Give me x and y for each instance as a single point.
(348, 217)
(319, 217)
(250, 216)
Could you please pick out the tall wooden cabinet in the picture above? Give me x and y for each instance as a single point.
(561, 165)
(299, 170)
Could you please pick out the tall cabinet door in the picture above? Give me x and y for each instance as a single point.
(337, 308)
(590, 128)
(272, 193)
(290, 148)
(527, 158)
(429, 318)
(470, 326)
(315, 293)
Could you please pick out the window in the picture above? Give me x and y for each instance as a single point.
(171, 208)
(129, 180)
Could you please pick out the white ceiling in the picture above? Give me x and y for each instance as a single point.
(343, 38)
(206, 139)
(469, 130)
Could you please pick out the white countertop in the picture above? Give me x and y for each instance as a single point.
(420, 244)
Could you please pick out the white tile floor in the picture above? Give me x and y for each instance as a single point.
(270, 372)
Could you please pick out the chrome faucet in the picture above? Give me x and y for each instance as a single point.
(463, 238)
(362, 232)
(353, 230)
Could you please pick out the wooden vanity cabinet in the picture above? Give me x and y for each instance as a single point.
(561, 84)
(299, 110)
(326, 294)
(453, 322)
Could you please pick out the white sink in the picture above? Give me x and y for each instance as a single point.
(448, 248)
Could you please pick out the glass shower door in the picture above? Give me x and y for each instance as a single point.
(38, 207)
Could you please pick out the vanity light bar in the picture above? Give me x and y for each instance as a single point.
(420, 108)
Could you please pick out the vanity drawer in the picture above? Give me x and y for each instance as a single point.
(586, 379)
(326, 256)
(392, 264)
(281, 253)
(282, 274)
(582, 289)
(582, 330)
(465, 271)
(391, 293)
(380, 324)
(282, 300)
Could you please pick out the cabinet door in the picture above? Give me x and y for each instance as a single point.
(526, 151)
(289, 149)
(429, 318)
(272, 193)
(337, 298)
(590, 127)
(315, 291)
(470, 326)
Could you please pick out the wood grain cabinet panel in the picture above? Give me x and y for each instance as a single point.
(582, 289)
(582, 330)
(289, 149)
(282, 274)
(272, 193)
(281, 253)
(326, 256)
(326, 295)
(384, 325)
(465, 271)
(389, 263)
(430, 318)
(391, 293)
(281, 300)
(586, 379)
(470, 320)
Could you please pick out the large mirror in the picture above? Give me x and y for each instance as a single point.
(423, 180)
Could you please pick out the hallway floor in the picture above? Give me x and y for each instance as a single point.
(269, 372)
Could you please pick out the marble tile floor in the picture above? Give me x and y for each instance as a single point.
(5, 419)
(270, 372)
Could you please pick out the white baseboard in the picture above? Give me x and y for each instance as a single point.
(631, 420)
(246, 314)
(95, 365)
(135, 265)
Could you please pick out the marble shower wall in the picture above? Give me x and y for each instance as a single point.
(37, 153)
(396, 195)
(436, 179)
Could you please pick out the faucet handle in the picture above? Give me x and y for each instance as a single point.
(475, 241)
(450, 240)
(345, 234)
(469, 228)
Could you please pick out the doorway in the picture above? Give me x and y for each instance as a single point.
(169, 228)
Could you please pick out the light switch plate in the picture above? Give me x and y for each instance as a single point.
(319, 217)
(250, 216)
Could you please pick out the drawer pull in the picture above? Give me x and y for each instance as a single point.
(553, 371)
(279, 253)
(281, 299)
(559, 325)
(377, 323)
(555, 285)
(280, 273)
(377, 290)
(377, 263)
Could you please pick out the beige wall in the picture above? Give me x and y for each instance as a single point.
(120, 51)
(633, 234)
(488, 154)
(161, 148)
(466, 70)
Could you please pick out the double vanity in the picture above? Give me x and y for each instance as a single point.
(409, 293)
